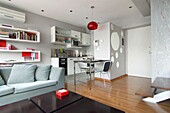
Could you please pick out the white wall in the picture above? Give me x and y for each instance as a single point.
(102, 34)
(138, 51)
(42, 24)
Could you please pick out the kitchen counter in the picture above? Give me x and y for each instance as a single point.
(69, 57)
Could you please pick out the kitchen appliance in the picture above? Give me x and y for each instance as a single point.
(75, 43)
(63, 63)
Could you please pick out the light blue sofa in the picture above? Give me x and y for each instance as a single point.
(15, 92)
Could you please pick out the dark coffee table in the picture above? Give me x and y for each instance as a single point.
(86, 105)
(73, 103)
(24, 106)
(49, 102)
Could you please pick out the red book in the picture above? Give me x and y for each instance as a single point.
(2, 43)
(36, 56)
(62, 92)
(26, 54)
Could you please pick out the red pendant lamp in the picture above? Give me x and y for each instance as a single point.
(92, 25)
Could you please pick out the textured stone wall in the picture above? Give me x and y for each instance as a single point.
(160, 22)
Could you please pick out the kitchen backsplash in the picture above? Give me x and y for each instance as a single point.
(67, 53)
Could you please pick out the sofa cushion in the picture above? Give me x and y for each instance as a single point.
(23, 73)
(23, 87)
(42, 73)
(4, 90)
(1, 81)
(55, 73)
(5, 72)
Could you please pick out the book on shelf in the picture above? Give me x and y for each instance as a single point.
(4, 36)
(4, 33)
(30, 57)
(22, 35)
(3, 48)
(34, 56)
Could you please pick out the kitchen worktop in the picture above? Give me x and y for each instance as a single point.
(69, 57)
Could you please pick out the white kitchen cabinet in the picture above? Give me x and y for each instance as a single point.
(70, 66)
(85, 39)
(75, 34)
(55, 62)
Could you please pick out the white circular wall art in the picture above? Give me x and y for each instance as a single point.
(116, 55)
(117, 64)
(121, 50)
(115, 42)
(112, 59)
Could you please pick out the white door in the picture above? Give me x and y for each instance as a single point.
(139, 52)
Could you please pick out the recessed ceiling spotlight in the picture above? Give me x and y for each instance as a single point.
(42, 10)
(71, 11)
(130, 7)
(87, 17)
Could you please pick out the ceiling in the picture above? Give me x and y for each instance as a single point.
(115, 11)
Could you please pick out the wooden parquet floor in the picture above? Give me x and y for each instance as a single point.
(120, 94)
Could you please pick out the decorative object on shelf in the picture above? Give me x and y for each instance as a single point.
(92, 25)
(76, 53)
(32, 49)
(11, 47)
(6, 25)
(81, 54)
(61, 50)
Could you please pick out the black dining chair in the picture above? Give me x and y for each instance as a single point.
(105, 69)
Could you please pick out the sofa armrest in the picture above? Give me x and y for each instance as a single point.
(58, 74)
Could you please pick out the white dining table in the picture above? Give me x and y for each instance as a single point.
(89, 62)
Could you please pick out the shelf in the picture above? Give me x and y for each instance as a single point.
(63, 35)
(18, 40)
(18, 51)
(20, 56)
(20, 35)
(66, 36)
(84, 45)
(59, 43)
(17, 61)
(74, 47)
(17, 29)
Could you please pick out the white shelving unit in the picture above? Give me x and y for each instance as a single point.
(11, 34)
(63, 36)
(18, 51)
(20, 35)
(17, 56)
